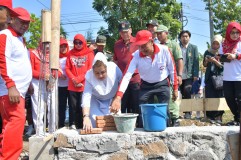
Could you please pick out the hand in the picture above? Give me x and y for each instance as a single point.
(174, 95)
(200, 91)
(195, 78)
(179, 80)
(231, 56)
(30, 89)
(14, 95)
(46, 77)
(87, 125)
(74, 81)
(115, 105)
(63, 77)
(79, 85)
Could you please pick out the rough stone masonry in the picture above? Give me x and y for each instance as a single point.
(182, 143)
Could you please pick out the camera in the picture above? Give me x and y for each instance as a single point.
(208, 56)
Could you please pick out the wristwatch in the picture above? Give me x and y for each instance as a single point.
(86, 115)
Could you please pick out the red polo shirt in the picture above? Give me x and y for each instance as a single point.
(123, 55)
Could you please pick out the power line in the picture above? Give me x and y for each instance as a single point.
(42, 4)
(78, 22)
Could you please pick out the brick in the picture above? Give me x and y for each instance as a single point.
(105, 120)
(104, 117)
(109, 128)
(93, 131)
(101, 125)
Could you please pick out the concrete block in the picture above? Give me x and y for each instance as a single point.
(41, 148)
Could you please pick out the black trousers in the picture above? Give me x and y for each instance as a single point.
(75, 111)
(211, 92)
(130, 100)
(63, 97)
(186, 88)
(232, 94)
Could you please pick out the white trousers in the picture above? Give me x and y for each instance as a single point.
(40, 98)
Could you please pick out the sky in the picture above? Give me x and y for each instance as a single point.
(84, 17)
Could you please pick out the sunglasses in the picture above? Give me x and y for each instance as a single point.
(78, 42)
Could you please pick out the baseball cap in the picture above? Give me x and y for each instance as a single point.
(142, 37)
(8, 4)
(124, 26)
(152, 22)
(23, 14)
(101, 40)
(162, 28)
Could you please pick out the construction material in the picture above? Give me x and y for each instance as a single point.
(93, 131)
(106, 123)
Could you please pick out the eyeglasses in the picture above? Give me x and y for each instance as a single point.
(233, 33)
(78, 43)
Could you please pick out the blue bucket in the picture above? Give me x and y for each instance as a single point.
(154, 116)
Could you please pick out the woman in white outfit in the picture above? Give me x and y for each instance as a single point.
(100, 87)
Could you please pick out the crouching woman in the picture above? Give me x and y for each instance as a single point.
(100, 87)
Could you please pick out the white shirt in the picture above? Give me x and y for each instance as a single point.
(151, 70)
(63, 83)
(18, 66)
(232, 70)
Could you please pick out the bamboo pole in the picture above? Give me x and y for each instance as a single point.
(54, 59)
(54, 54)
(46, 27)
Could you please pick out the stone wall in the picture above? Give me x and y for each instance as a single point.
(184, 143)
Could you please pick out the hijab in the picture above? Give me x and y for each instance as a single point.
(84, 50)
(103, 87)
(230, 45)
(217, 38)
(64, 41)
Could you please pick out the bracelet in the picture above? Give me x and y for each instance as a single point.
(86, 115)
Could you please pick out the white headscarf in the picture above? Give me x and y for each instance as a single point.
(99, 85)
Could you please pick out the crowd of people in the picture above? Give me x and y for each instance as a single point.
(148, 68)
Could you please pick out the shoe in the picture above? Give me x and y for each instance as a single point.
(30, 130)
(175, 122)
(219, 122)
(72, 127)
(233, 123)
(187, 115)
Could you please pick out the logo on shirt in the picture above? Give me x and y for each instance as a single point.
(78, 61)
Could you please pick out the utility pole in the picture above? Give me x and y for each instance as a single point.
(210, 20)
(181, 17)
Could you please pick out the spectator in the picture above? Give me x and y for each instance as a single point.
(152, 26)
(162, 35)
(101, 43)
(101, 86)
(78, 63)
(155, 64)
(63, 85)
(231, 48)
(213, 67)
(123, 50)
(15, 79)
(190, 66)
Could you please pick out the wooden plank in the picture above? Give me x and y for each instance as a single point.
(233, 141)
(215, 104)
(210, 104)
(190, 104)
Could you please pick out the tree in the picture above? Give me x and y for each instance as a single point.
(224, 11)
(34, 32)
(138, 12)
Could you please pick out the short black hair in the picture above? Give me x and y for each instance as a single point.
(183, 32)
(3, 8)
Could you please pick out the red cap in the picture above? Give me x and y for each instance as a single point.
(142, 37)
(23, 14)
(6, 3)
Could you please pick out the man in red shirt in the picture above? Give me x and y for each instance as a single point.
(122, 55)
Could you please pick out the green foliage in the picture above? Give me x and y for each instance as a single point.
(224, 11)
(138, 13)
(34, 32)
